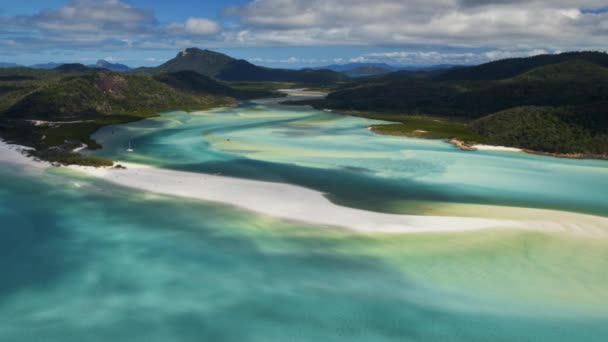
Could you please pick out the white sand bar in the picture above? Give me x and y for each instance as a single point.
(14, 155)
(497, 148)
(302, 92)
(296, 203)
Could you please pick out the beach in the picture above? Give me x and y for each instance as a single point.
(295, 203)
(481, 147)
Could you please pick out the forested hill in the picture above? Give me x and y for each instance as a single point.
(512, 67)
(548, 95)
(104, 93)
(55, 111)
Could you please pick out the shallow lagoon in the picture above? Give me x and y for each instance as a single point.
(339, 156)
(86, 260)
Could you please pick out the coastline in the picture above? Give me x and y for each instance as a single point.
(295, 203)
(466, 146)
(481, 147)
(299, 204)
(15, 155)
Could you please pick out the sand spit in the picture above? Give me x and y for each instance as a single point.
(295, 203)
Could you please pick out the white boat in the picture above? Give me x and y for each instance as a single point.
(130, 149)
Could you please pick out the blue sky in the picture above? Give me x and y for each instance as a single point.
(298, 33)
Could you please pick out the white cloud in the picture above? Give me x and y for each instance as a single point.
(289, 60)
(100, 24)
(201, 26)
(439, 57)
(498, 27)
(89, 16)
(517, 24)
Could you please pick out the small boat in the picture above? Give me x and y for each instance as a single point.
(130, 149)
(328, 110)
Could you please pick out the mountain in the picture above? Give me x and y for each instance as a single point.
(222, 67)
(241, 70)
(367, 70)
(9, 65)
(516, 102)
(76, 68)
(102, 93)
(512, 67)
(205, 62)
(352, 66)
(571, 82)
(373, 69)
(194, 83)
(47, 66)
(103, 64)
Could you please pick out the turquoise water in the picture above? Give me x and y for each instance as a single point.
(84, 260)
(339, 156)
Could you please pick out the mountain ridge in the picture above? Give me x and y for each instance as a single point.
(523, 103)
(223, 67)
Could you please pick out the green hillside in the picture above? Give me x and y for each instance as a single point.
(547, 129)
(74, 107)
(240, 70)
(15, 83)
(105, 94)
(568, 83)
(195, 83)
(508, 68)
(573, 85)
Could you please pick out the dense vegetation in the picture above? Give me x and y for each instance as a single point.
(547, 129)
(553, 103)
(56, 111)
(198, 84)
(508, 68)
(105, 93)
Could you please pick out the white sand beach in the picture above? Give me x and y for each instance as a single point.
(496, 148)
(295, 203)
(14, 154)
(302, 92)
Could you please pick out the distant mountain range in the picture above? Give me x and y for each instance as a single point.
(221, 66)
(101, 64)
(47, 66)
(9, 65)
(226, 68)
(372, 69)
(208, 63)
(77, 68)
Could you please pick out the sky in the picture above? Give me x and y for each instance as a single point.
(299, 33)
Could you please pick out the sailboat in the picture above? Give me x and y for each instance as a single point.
(130, 149)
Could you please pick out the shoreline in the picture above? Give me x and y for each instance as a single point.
(299, 204)
(482, 147)
(466, 146)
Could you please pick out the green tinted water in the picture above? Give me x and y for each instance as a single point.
(83, 260)
(338, 155)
